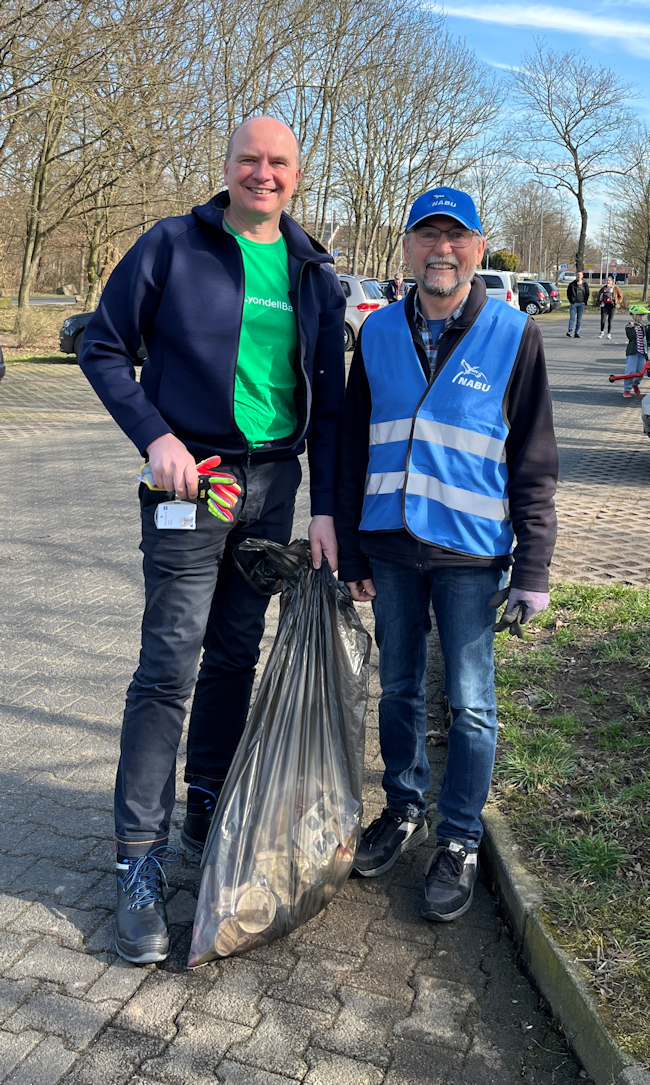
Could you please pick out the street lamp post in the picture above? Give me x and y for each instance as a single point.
(541, 230)
(609, 238)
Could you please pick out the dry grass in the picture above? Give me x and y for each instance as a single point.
(34, 332)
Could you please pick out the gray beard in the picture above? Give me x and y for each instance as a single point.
(443, 291)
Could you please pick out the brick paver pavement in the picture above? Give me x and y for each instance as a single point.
(368, 992)
(603, 508)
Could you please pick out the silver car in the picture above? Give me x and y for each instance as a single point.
(363, 296)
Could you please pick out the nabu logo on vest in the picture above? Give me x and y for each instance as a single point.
(471, 376)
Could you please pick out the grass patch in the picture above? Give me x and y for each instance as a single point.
(573, 775)
(537, 762)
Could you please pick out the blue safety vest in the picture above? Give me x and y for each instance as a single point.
(437, 461)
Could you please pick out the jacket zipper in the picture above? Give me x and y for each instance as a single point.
(241, 317)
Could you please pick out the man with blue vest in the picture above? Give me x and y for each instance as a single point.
(450, 460)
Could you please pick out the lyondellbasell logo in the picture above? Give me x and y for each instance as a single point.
(471, 376)
(269, 303)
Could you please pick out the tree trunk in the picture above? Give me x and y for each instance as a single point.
(93, 274)
(646, 268)
(31, 257)
(580, 255)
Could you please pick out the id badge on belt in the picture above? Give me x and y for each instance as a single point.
(175, 515)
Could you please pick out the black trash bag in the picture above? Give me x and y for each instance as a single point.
(265, 564)
(287, 825)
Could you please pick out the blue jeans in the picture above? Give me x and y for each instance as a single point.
(576, 309)
(195, 598)
(634, 363)
(460, 598)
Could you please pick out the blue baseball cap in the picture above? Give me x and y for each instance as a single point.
(445, 201)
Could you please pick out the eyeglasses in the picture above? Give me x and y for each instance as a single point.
(458, 238)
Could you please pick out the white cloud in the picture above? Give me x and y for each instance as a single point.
(548, 18)
(506, 67)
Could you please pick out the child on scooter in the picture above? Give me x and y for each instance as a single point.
(636, 352)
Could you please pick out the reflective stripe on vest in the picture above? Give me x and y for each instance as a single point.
(437, 459)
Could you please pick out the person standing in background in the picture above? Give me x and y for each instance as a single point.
(636, 352)
(578, 296)
(609, 298)
(397, 288)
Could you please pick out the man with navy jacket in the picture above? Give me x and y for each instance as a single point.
(242, 317)
(448, 458)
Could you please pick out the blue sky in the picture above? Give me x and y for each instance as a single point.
(613, 35)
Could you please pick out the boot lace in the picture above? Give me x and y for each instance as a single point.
(206, 801)
(145, 876)
(381, 828)
(447, 866)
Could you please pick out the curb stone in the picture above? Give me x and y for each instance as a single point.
(562, 982)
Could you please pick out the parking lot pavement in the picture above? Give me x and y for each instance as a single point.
(367, 993)
(603, 498)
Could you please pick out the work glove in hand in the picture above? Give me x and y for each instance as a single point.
(522, 606)
(224, 490)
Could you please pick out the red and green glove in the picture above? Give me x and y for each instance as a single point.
(224, 490)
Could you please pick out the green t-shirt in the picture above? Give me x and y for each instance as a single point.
(265, 379)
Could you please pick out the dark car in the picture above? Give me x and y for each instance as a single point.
(553, 293)
(3, 367)
(533, 298)
(72, 333)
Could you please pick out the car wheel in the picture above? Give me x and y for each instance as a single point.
(348, 338)
(78, 342)
(532, 308)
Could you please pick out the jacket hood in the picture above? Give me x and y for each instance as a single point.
(299, 242)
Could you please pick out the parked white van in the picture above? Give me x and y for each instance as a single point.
(501, 284)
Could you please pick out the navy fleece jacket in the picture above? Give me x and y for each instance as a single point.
(181, 288)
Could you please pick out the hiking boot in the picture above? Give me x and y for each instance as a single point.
(201, 805)
(449, 881)
(141, 934)
(385, 839)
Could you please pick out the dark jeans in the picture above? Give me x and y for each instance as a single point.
(576, 309)
(460, 598)
(195, 598)
(606, 313)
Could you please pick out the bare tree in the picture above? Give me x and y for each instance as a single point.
(574, 120)
(489, 178)
(407, 126)
(534, 213)
(632, 223)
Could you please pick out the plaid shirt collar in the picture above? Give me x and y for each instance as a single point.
(430, 347)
